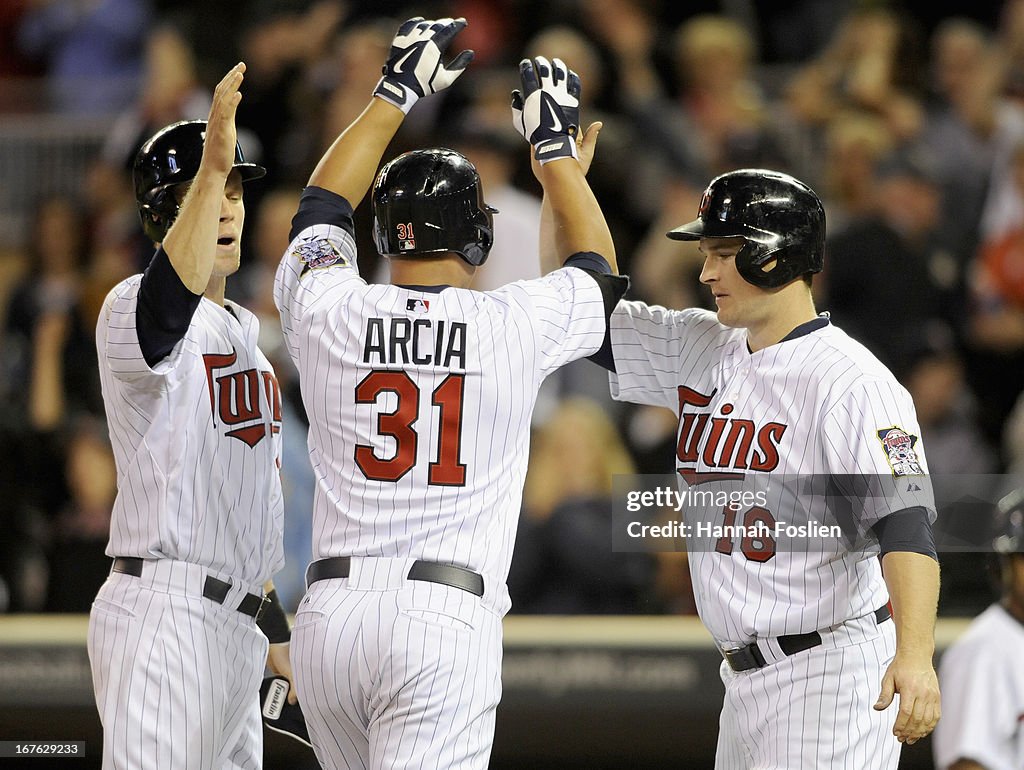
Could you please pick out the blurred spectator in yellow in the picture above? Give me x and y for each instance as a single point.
(875, 63)
(563, 562)
(855, 142)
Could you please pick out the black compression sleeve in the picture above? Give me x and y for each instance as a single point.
(612, 288)
(164, 310)
(318, 206)
(273, 622)
(906, 530)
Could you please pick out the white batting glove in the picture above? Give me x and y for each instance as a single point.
(414, 66)
(547, 111)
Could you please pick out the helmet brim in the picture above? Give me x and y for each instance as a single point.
(695, 230)
(691, 231)
(250, 171)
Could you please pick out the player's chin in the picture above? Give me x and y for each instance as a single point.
(228, 260)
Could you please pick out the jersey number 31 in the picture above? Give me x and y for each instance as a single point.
(446, 471)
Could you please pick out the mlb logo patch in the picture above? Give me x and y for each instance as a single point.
(899, 451)
(318, 253)
(417, 305)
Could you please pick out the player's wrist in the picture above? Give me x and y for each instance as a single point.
(395, 93)
(555, 148)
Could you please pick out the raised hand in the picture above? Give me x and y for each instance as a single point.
(547, 110)
(414, 67)
(221, 136)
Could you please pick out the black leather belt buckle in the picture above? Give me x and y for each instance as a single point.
(128, 565)
(744, 658)
(449, 575)
(217, 590)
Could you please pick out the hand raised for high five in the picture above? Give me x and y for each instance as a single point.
(221, 137)
(414, 67)
(547, 111)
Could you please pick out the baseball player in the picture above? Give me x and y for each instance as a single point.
(419, 395)
(767, 386)
(194, 416)
(982, 674)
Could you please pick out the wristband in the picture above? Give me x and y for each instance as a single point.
(273, 622)
(395, 93)
(563, 146)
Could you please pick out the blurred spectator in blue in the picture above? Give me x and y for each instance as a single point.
(563, 561)
(92, 50)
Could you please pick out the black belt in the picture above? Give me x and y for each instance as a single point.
(746, 658)
(430, 571)
(213, 588)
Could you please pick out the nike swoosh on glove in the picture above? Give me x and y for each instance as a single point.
(546, 112)
(414, 68)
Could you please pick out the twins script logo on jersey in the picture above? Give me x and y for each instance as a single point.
(235, 397)
(899, 451)
(316, 253)
(732, 444)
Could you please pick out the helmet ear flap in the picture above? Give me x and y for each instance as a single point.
(158, 213)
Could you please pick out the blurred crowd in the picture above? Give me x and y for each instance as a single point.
(910, 127)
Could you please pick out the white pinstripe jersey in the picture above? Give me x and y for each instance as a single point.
(419, 402)
(196, 441)
(816, 404)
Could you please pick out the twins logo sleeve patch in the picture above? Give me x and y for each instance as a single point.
(899, 451)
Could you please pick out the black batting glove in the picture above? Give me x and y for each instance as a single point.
(414, 67)
(547, 111)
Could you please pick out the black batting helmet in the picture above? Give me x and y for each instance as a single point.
(170, 158)
(431, 201)
(780, 217)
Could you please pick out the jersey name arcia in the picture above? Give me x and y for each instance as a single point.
(420, 341)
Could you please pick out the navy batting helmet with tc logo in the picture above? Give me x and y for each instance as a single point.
(170, 158)
(781, 219)
(431, 201)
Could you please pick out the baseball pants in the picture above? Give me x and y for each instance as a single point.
(813, 708)
(176, 676)
(397, 673)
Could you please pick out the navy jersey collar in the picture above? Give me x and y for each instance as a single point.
(437, 289)
(807, 327)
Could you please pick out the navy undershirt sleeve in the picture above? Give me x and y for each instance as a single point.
(906, 530)
(612, 288)
(318, 206)
(164, 310)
